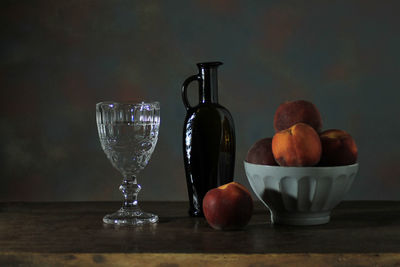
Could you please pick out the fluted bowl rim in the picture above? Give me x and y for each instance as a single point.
(312, 169)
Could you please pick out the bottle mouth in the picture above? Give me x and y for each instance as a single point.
(209, 64)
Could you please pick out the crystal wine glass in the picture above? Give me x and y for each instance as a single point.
(128, 135)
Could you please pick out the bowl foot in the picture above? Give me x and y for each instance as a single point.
(301, 218)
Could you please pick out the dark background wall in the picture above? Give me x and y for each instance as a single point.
(58, 58)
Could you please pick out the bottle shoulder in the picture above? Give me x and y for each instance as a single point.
(208, 113)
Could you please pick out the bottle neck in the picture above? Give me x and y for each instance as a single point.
(208, 90)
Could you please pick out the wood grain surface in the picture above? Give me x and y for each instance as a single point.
(72, 233)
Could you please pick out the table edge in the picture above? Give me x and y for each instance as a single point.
(202, 259)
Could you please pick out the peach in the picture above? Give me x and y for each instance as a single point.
(261, 153)
(338, 148)
(297, 146)
(292, 112)
(229, 206)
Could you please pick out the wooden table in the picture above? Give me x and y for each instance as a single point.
(72, 233)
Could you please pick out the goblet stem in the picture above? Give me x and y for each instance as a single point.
(130, 189)
(130, 212)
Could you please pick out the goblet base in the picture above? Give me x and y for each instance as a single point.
(130, 217)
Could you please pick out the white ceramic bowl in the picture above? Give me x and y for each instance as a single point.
(300, 195)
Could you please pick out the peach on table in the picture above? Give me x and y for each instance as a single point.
(229, 206)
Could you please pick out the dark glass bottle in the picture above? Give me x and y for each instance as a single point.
(208, 138)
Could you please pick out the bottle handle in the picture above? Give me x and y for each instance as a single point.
(184, 89)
